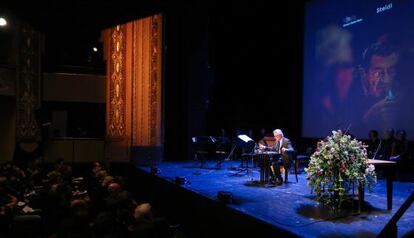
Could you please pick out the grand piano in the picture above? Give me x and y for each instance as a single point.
(211, 147)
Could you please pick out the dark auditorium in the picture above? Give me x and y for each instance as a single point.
(206, 118)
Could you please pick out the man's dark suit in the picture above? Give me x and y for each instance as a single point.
(286, 151)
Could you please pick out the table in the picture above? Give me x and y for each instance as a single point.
(389, 170)
(264, 160)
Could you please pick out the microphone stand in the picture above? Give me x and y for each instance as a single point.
(231, 152)
(347, 129)
(376, 151)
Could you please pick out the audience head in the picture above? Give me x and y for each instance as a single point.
(55, 177)
(113, 187)
(107, 180)
(79, 207)
(401, 135)
(373, 134)
(96, 167)
(77, 203)
(143, 211)
(389, 134)
(59, 161)
(102, 174)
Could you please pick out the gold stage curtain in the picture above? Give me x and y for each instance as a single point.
(133, 53)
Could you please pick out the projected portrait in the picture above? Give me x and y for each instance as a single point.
(380, 86)
(358, 68)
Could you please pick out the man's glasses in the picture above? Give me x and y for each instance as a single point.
(381, 72)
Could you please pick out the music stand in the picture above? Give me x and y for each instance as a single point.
(221, 143)
(245, 138)
(243, 141)
(247, 144)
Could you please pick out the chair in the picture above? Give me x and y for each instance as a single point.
(200, 149)
(302, 158)
(201, 155)
(288, 165)
(221, 156)
(292, 158)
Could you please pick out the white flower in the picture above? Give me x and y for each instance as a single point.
(370, 169)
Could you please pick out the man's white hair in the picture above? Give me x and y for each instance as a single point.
(278, 132)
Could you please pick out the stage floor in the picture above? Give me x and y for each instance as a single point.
(290, 206)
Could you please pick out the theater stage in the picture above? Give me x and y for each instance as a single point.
(290, 209)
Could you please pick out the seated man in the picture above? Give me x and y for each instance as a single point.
(400, 148)
(283, 148)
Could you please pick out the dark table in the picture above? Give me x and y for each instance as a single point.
(389, 170)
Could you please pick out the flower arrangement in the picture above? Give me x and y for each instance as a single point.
(338, 164)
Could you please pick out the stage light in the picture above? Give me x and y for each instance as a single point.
(95, 49)
(3, 22)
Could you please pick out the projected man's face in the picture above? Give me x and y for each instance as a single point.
(381, 74)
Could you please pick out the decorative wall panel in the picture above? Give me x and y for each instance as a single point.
(28, 82)
(117, 82)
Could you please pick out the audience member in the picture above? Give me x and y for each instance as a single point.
(374, 144)
(386, 145)
(399, 147)
(143, 225)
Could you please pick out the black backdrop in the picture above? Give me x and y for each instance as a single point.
(233, 65)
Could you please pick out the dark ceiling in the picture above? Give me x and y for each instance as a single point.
(47, 14)
(72, 28)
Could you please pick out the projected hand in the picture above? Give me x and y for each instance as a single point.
(385, 111)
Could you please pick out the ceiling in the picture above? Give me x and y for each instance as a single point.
(47, 14)
(72, 28)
